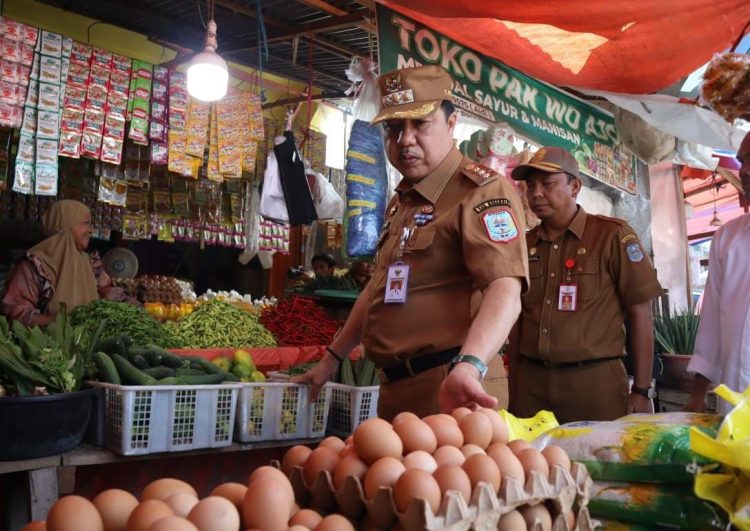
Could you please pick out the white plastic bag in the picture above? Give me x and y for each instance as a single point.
(272, 202)
(252, 228)
(328, 204)
(361, 73)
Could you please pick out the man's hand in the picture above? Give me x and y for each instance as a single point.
(318, 375)
(463, 388)
(639, 404)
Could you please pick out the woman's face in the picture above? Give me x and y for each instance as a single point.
(82, 233)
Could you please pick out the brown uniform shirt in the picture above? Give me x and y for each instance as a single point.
(611, 272)
(476, 237)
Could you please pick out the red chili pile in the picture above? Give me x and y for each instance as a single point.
(299, 322)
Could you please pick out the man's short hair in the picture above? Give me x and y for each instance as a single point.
(324, 257)
(448, 108)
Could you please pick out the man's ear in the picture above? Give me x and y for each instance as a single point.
(576, 185)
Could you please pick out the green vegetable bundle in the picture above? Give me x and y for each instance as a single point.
(360, 373)
(217, 324)
(127, 319)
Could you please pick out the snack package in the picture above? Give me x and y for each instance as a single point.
(531, 428)
(141, 97)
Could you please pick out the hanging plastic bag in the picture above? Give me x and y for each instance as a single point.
(361, 73)
(328, 204)
(252, 228)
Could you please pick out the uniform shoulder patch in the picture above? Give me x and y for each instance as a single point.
(479, 174)
(635, 253)
(500, 225)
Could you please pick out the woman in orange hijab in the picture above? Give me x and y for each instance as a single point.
(58, 270)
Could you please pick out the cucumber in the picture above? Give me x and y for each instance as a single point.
(347, 372)
(171, 360)
(129, 373)
(106, 368)
(207, 366)
(169, 380)
(159, 372)
(110, 345)
(206, 379)
(139, 361)
(231, 378)
(188, 372)
(154, 359)
(365, 372)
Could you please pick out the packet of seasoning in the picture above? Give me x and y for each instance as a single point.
(71, 120)
(29, 35)
(24, 75)
(9, 93)
(93, 120)
(13, 30)
(9, 72)
(114, 126)
(158, 111)
(27, 55)
(45, 179)
(121, 65)
(101, 57)
(177, 143)
(81, 54)
(49, 97)
(99, 76)
(177, 119)
(162, 203)
(157, 131)
(32, 94)
(117, 105)
(49, 69)
(23, 182)
(11, 51)
(46, 151)
(78, 76)
(138, 129)
(28, 124)
(48, 124)
(136, 201)
(91, 144)
(111, 150)
(26, 149)
(51, 44)
(70, 144)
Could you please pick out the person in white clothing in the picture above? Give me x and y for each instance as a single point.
(722, 346)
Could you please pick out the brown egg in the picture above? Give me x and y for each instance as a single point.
(507, 462)
(322, 458)
(115, 506)
(215, 514)
(416, 435)
(163, 488)
(376, 438)
(518, 445)
(446, 430)
(147, 513)
(471, 449)
(173, 523)
(382, 473)
(39, 525)
(537, 515)
(182, 503)
(449, 455)
(460, 413)
(234, 492)
(349, 440)
(298, 528)
(532, 460)
(404, 415)
(272, 496)
(74, 513)
(307, 518)
(415, 484)
(477, 429)
(334, 522)
(295, 456)
(348, 450)
(273, 473)
(333, 443)
(556, 456)
(512, 521)
(421, 460)
(482, 468)
(499, 427)
(453, 477)
(349, 466)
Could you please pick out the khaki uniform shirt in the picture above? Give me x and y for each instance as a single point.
(476, 237)
(611, 272)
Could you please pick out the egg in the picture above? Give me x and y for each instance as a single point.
(39, 525)
(322, 458)
(334, 443)
(182, 503)
(173, 523)
(351, 466)
(267, 505)
(537, 515)
(449, 455)
(334, 522)
(404, 415)
(477, 429)
(512, 521)
(376, 438)
(215, 514)
(115, 506)
(460, 412)
(415, 484)
(421, 460)
(518, 445)
(74, 513)
(306, 517)
(298, 528)
(161, 489)
(556, 456)
(273, 473)
(234, 492)
(532, 460)
(295, 456)
(147, 513)
(446, 430)
(482, 468)
(349, 440)
(416, 435)
(507, 462)
(453, 477)
(471, 449)
(348, 450)
(499, 427)
(382, 473)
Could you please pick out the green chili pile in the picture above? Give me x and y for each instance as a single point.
(122, 319)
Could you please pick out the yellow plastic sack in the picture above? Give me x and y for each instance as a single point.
(730, 489)
(529, 429)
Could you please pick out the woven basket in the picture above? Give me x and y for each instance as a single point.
(675, 372)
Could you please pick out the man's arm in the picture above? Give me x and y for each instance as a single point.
(514, 356)
(640, 346)
(501, 306)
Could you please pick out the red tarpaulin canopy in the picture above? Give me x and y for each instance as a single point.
(632, 46)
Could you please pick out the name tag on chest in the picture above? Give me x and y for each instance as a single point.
(397, 283)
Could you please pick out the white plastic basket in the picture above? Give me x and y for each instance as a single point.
(350, 407)
(164, 418)
(278, 411)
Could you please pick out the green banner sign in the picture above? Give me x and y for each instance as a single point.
(493, 92)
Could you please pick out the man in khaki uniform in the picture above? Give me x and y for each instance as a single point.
(451, 261)
(590, 293)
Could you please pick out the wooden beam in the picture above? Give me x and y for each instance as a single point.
(303, 99)
(331, 9)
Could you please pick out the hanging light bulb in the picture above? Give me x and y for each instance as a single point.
(716, 220)
(207, 75)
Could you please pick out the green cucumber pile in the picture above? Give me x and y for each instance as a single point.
(359, 373)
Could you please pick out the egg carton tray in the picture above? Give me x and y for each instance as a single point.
(280, 411)
(564, 491)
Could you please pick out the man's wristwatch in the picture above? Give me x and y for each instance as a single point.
(471, 360)
(648, 392)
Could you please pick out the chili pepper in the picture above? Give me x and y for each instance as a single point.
(298, 321)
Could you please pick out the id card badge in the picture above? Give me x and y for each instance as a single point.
(397, 283)
(568, 300)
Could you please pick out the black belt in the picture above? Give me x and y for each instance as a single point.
(570, 364)
(419, 364)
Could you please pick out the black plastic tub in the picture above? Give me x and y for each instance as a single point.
(38, 426)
